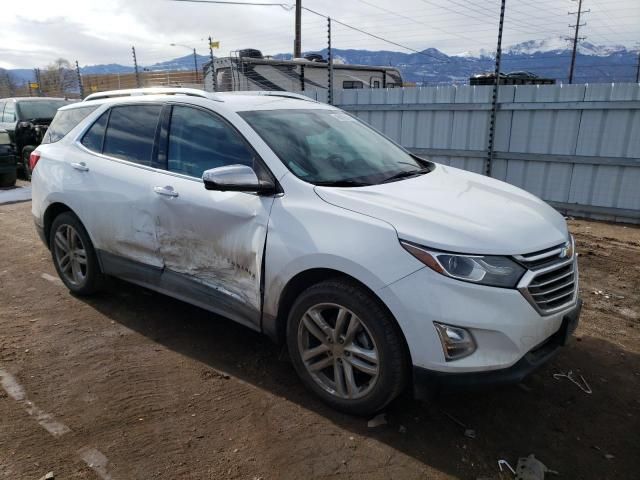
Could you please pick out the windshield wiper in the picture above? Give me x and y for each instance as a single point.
(406, 173)
(342, 183)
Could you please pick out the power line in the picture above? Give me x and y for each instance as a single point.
(288, 7)
(223, 2)
(414, 20)
(374, 35)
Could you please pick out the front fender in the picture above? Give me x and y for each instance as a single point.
(316, 235)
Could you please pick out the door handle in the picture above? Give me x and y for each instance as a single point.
(80, 166)
(166, 191)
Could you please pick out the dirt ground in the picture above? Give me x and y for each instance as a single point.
(149, 387)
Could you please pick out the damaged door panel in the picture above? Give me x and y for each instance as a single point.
(112, 183)
(211, 240)
(215, 239)
(119, 209)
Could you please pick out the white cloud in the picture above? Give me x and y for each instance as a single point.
(96, 32)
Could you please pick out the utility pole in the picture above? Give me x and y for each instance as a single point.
(135, 66)
(80, 86)
(576, 37)
(494, 98)
(211, 69)
(297, 45)
(195, 64)
(329, 64)
(638, 68)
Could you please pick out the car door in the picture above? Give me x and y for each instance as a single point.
(109, 176)
(8, 118)
(211, 242)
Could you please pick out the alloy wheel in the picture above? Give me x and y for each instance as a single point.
(338, 351)
(70, 255)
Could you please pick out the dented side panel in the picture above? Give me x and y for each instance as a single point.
(215, 238)
(114, 201)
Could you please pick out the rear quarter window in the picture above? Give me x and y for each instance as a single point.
(65, 121)
(94, 137)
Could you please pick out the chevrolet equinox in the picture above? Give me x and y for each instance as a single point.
(380, 270)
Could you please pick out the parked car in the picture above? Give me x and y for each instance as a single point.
(7, 161)
(511, 78)
(378, 269)
(26, 119)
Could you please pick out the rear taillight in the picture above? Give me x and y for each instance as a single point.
(33, 160)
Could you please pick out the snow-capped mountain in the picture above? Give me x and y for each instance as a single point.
(561, 44)
(549, 45)
(546, 58)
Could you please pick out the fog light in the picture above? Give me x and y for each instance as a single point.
(456, 342)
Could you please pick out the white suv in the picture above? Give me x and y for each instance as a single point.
(379, 269)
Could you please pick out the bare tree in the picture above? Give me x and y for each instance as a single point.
(59, 79)
(7, 84)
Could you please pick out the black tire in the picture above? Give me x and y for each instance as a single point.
(92, 277)
(26, 171)
(381, 329)
(8, 179)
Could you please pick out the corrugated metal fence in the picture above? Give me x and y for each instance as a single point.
(575, 146)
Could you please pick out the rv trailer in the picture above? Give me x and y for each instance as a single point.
(249, 70)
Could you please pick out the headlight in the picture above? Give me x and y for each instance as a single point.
(489, 270)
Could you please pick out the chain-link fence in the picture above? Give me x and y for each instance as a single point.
(116, 81)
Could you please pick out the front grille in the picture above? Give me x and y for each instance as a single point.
(551, 281)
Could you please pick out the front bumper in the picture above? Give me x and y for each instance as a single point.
(504, 325)
(427, 382)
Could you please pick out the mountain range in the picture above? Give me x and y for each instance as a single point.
(546, 58)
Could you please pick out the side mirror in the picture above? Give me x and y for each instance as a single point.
(236, 178)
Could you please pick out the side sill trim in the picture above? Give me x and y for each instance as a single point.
(179, 286)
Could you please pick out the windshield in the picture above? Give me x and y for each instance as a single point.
(40, 109)
(331, 147)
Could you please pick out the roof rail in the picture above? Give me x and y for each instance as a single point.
(133, 92)
(275, 93)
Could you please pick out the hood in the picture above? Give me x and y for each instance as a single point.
(457, 211)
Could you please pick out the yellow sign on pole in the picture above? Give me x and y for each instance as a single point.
(215, 44)
(33, 85)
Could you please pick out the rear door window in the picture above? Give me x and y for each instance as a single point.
(65, 121)
(131, 132)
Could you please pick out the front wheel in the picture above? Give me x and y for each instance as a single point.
(346, 347)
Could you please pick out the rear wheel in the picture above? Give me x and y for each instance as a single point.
(74, 256)
(7, 179)
(346, 347)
